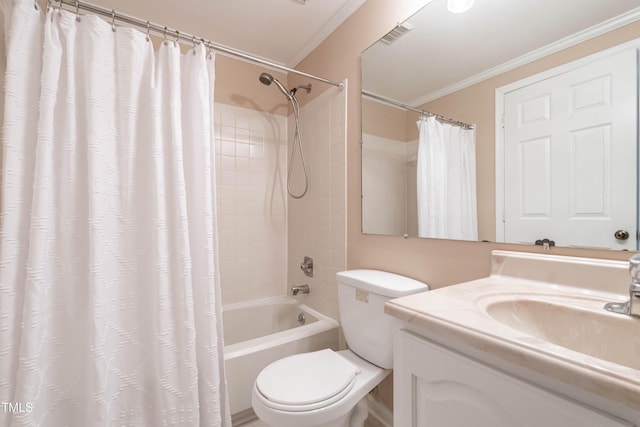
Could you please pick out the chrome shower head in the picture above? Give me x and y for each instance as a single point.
(267, 79)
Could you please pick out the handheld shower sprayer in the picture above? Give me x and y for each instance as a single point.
(267, 79)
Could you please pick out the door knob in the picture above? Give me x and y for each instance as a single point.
(545, 243)
(621, 234)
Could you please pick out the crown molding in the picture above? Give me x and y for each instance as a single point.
(334, 22)
(572, 40)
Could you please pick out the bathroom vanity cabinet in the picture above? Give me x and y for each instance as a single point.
(435, 385)
(529, 345)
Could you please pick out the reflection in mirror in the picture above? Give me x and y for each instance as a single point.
(476, 68)
(441, 165)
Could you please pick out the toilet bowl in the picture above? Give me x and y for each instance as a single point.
(328, 388)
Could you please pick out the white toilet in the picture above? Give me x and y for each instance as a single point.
(326, 388)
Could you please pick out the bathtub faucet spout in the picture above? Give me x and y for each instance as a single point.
(300, 289)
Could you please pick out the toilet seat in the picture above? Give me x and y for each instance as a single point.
(306, 381)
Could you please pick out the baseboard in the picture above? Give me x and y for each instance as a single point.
(376, 410)
(243, 417)
(380, 412)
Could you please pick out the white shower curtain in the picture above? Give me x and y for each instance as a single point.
(446, 170)
(109, 286)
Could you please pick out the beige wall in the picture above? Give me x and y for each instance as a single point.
(385, 184)
(237, 84)
(384, 121)
(437, 262)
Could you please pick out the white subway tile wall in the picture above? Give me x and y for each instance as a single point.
(259, 237)
(317, 222)
(252, 204)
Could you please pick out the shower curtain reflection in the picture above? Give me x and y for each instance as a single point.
(446, 181)
(109, 287)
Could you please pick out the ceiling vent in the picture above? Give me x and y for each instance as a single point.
(399, 31)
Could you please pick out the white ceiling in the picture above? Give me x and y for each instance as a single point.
(282, 31)
(443, 50)
(446, 51)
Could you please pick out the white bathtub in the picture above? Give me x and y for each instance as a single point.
(260, 332)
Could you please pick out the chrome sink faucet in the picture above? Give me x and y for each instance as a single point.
(631, 307)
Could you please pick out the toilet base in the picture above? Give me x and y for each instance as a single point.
(355, 418)
(359, 414)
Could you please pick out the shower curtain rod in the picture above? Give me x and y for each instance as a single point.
(417, 110)
(175, 35)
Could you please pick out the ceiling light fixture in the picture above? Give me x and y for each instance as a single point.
(459, 6)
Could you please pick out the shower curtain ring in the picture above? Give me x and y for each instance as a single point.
(50, 6)
(35, 4)
(148, 25)
(177, 40)
(164, 36)
(77, 11)
(195, 44)
(113, 20)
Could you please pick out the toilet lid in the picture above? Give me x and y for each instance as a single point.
(306, 378)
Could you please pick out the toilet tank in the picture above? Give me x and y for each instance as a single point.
(361, 298)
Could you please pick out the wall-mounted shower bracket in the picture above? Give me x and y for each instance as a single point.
(307, 266)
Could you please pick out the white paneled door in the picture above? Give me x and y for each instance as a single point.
(570, 157)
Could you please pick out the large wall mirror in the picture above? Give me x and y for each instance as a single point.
(551, 91)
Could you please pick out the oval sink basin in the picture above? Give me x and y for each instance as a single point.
(598, 333)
